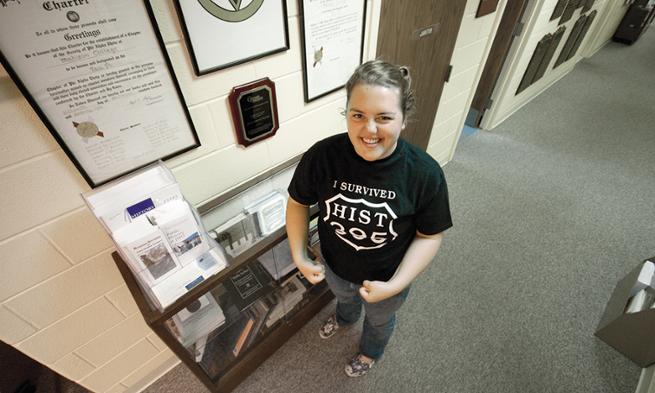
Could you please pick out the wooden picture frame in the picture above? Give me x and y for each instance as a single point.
(95, 76)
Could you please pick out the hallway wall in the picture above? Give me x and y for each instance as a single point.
(471, 50)
(613, 14)
(538, 24)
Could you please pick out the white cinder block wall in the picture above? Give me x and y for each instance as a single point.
(472, 47)
(62, 300)
(538, 24)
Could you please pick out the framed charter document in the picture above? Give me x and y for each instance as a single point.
(223, 33)
(332, 43)
(98, 76)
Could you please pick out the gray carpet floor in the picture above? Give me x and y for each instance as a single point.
(551, 208)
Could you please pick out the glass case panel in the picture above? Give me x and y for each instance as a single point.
(224, 323)
(255, 221)
(242, 203)
(258, 295)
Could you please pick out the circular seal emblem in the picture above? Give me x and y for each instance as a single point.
(73, 16)
(87, 129)
(195, 306)
(238, 13)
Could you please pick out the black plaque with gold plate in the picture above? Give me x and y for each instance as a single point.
(254, 111)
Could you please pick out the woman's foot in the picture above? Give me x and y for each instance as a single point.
(359, 365)
(329, 327)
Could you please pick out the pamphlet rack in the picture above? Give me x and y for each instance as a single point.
(225, 326)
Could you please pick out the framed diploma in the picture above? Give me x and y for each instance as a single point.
(223, 33)
(98, 76)
(254, 111)
(332, 43)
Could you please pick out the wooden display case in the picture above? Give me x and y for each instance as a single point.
(228, 324)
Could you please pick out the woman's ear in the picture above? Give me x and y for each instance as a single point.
(403, 126)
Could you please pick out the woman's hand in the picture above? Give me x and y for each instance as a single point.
(314, 273)
(375, 291)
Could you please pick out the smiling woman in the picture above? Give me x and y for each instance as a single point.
(383, 207)
(379, 101)
(375, 120)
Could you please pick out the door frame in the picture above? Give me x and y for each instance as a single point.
(504, 39)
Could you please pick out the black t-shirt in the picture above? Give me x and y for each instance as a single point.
(370, 210)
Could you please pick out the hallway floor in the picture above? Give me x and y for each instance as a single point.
(551, 208)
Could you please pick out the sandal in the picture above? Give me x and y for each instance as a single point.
(329, 327)
(358, 366)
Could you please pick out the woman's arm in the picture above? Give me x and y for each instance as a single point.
(420, 253)
(297, 228)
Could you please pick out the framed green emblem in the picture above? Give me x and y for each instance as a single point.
(223, 33)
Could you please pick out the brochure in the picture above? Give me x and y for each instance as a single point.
(178, 224)
(150, 256)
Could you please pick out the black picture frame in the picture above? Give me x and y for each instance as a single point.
(198, 49)
(57, 135)
(302, 4)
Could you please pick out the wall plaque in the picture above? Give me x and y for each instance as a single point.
(254, 111)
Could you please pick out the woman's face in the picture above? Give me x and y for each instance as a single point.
(375, 120)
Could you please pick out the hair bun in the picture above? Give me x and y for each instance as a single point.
(404, 71)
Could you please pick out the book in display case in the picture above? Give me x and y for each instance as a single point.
(227, 319)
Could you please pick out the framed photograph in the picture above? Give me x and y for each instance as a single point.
(332, 43)
(223, 33)
(98, 76)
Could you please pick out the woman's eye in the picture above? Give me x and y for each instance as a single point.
(357, 116)
(385, 118)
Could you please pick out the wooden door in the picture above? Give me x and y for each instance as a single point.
(421, 34)
(507, 31)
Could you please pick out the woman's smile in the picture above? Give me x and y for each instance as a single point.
(375, 120)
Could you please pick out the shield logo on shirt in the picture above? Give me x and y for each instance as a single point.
(359, 223)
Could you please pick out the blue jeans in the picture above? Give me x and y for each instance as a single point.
(380, 318)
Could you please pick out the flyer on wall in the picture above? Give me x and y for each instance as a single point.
(333, 37)
(96, 74)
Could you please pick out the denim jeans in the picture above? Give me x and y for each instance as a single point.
(380, 318)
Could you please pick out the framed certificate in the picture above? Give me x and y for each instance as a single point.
(223, 33)
(98, 76)
(332, 43)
